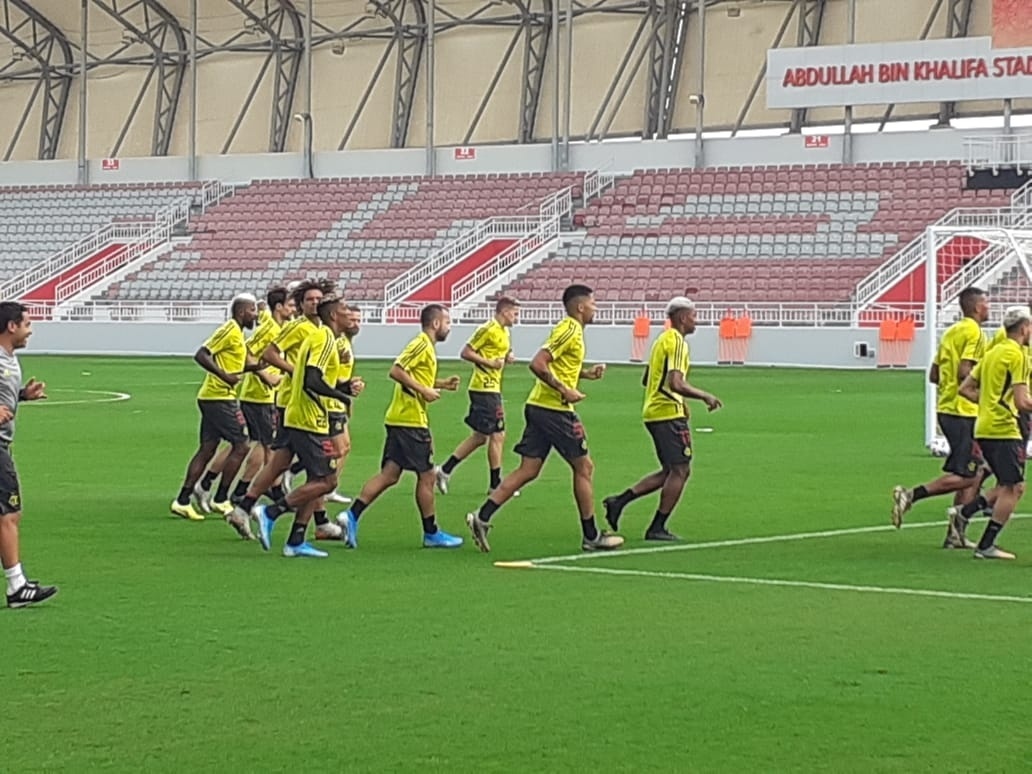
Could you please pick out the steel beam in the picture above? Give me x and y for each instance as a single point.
(811, 18)
(41, 41)
(149, 23)
(660, 54)
(537, 33)
(406, 75)
(958, 22)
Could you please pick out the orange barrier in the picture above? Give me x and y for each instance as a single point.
(895, 342)
(640, 337)
(743, 332)
(733, 346)
(725, 347)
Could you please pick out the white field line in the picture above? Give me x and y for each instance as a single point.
(780, 582)
(738, 542)
(104, 396)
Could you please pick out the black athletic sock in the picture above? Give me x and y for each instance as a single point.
(247, 503)
(487, 510)
(992, 530)
(625, 498)
(208, 479)
(276, 493)
(297, 534)
(241, 489)
(974, 507)
(357, 507)
(277, 509)
(450, 465)
(919, 493)
(320, 518)
(184, 495)
(297, 467)
(429, 525)
(589, 528)
(222, 493)
(496, 477)
(658, 522)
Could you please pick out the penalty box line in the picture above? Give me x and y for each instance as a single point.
(749, 541)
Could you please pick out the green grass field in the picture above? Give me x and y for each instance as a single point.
(175, 646)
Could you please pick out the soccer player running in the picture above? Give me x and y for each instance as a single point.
(15, 330)
(409, 445)
(224, 357)
(257, 394)
(999, 386)
(489, 350)
(961, 347)
(340, 411)
(551, 423)
(306, 430)
(666, 418)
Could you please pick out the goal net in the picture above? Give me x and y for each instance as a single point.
(995, 259)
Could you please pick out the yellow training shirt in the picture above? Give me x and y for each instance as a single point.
(962, 341)
(1003, 366)
(228, 348)
(491, 341)
(669, 353)
(419, 360)
(288, 342)
(305, 410)
(566, 343)
(347, 365)
(253, 389)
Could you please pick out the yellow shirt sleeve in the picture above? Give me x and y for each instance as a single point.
(480, 337)
(974, 347)
(413, 353)
(220, 340)
(560, 339)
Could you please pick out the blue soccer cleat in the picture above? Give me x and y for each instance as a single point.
(304, 550)
(349, 524)
(441, 539)
(265, 525)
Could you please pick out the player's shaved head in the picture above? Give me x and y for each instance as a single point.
(576, 293)
(971, 299)
(430, 314)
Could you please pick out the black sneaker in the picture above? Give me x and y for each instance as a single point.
(30, 594)
(661, 534)
(613, 512)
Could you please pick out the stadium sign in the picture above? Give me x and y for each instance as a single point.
(950, 70)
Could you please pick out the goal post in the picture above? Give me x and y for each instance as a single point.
(992, 257)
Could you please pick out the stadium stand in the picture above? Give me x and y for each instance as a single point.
(38, 221)
(752, 233)
(359, 232)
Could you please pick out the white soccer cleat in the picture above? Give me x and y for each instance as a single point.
(202, 497)
(901, 503)
(239, 521)
(329, 531)
(442, 479)
(993, 552)
(338, 498)
(288, 481)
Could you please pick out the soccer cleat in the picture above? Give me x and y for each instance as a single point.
(265, 525)
(349, 524)
(185, 512)
(223, 509)
(338, 498)
(901, 502)
(288, 481)
(31, 593)
(661, 534)
(479, 530)
(442, 479)
(604, 541)
(441, 539)
(304, 550)
(329, 531)
(613, 512)
(993, 552)
(240, 523)
(955, 533)
(202, 497)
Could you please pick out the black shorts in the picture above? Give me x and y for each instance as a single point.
(279, 437)
(410, 448)
(314, 451)
(10, 487)
(965, 458)
(222, 420)
(1006, 459)
(548, 429)
(486, 412)
(262, 421)
(673, 441)
(1025, 425)
(338, 420)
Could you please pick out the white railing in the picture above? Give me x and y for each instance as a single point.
(765, 314)
(557, 205)
(1004, 150)
(508, 259)
(596, 181)
(213, 192)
